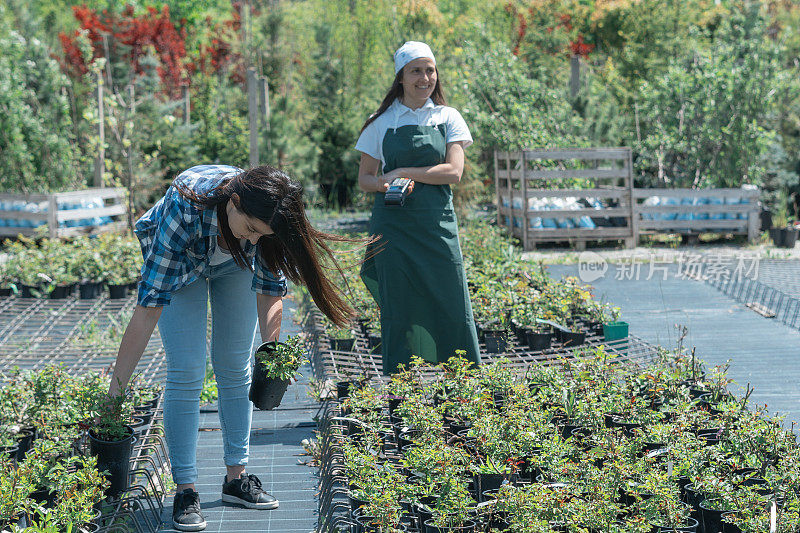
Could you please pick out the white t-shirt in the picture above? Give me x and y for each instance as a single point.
(370, 141)
(219, 255)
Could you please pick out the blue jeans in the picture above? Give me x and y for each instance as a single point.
(183, 333)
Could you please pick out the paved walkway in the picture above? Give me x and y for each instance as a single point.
(782, 275)
(275, 452)
(763, 352)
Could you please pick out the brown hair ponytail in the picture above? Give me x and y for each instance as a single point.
(296, 248)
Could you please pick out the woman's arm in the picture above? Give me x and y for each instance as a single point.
(270, 314)
(134, 341)
(368, 179)
(443, 174)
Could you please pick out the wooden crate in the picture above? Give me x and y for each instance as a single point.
(694, 211)
(520, 176)
(60, 222)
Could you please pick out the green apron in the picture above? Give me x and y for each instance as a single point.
(417, 276)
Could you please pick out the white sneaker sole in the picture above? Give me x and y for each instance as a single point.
(189, 527)
(250, 505)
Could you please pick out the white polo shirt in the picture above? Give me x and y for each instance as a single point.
(370, 141)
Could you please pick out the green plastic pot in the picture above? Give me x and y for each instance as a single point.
(614, 331)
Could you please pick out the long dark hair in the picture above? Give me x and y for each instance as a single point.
(396, 91)
(296, 247)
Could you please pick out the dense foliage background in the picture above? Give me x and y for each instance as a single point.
(706, 92)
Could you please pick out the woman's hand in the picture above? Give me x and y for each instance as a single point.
(391, 176)
(370, 181)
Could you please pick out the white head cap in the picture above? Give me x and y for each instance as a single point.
(410, 51)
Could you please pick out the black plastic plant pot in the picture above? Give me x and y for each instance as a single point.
(789, 238)
(394, 402)
(495, 343)
(10, 451)
(24, 441)
(5, 291)
(117, 292)
(374, 343)
(61, 292)
(711, 436)
(712, 518)
(689, 527)
(693, 498)
(494, 333)
(466, 527)
(538, 341)
(783, 237)
(44, 497)
(486, 482)
(628, 428)
(89, 290)
(342, 389)
(266, 393)
(21, 520)
(727, 523)
(138, 425)
(26, 291)
(366, 526)
(571, 338)
(114, 458)
(342, 345)
(776, 236)
(145, 413)
(595, 327)
(355, 503)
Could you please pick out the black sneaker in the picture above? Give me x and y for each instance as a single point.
(186, 511)
(247, 491)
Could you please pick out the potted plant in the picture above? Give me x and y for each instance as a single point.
(118, 281)
(7, 287)
(41, 467)
(121, 260)
(454, 509)
(614, 328)
(111, 438)
(276, 363)
(783, 234)
(25, 265)
(58, 269)
(341, 339)
(80, 488)
(89, 268)
(667, 514)
(14, 492)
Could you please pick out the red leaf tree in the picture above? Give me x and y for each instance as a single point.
(132, 37)
(222, 53)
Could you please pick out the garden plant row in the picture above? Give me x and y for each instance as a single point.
(508, 296)
(53, 268)
(589, 443)
(65, 449)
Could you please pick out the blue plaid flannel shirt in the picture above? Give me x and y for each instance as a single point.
(178, 239)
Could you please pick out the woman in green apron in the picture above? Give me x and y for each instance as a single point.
(417, 275)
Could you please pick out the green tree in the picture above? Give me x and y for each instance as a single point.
(508, 109)
(708, 120)
(35, 121)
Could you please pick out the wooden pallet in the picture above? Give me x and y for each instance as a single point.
(49, 215)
